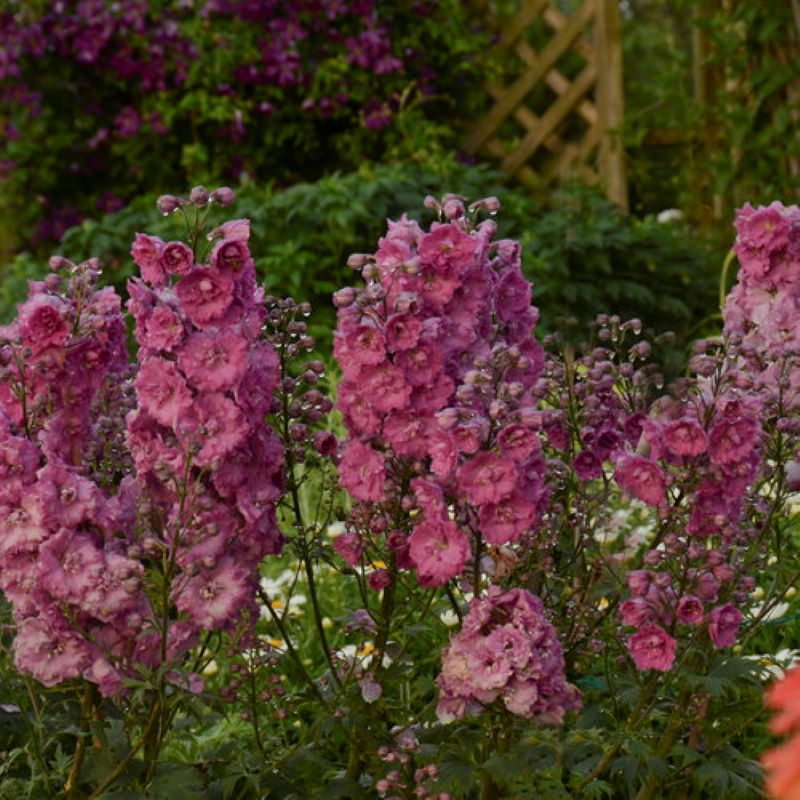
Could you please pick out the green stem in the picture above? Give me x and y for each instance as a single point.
(120, 768)
(71, 785)
(292, 652)
(723, 279)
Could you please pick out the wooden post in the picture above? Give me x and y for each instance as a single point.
(610, 100)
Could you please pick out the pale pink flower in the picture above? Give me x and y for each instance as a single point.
(214, 598)
(43, 323)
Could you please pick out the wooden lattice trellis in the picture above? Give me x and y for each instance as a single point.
(575, 129)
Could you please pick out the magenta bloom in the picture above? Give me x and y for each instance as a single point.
(176, 258)
(146, 253)
(651, 647)
(641, 478)
(487, 478)
(430, 498)
(362, 472)
(215, 424)
(518, 443)
(732, 440)
(690, 610)
(42, 323)
(386, 387)
(448, 249)
(723, 627)
(160, 330)
(504, 521)
(214, 361)
(349, 546)
(685, 437)
(162, 391)
(205, 294)
(230, 255)
(587, 465)
(512, 295)
(402, 332)
(635, 612)
(364, 345)
(439, 551)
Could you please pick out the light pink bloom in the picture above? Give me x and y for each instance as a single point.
(51, 653)
(214, 598)
(215, 424)
(518, 443)
(685, 437)
(160, 330)
(504, 521)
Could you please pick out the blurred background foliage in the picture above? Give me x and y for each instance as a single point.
(329, 117)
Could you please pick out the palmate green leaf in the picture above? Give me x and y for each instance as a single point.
(597, 789)
(176, 782)
(456, 776)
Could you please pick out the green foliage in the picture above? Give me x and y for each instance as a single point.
(712, 107)
(203, 102)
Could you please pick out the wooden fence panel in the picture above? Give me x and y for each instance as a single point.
(577, 130)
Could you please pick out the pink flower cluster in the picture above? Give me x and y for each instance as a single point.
(711, 447)
(208, 467)
(135, 511)
(655, 605)
(707, 449)
(506, 650)
(438, 362)
(76, 594)
(761, 311)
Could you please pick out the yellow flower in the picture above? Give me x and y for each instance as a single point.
(366, 650)
(211, 669)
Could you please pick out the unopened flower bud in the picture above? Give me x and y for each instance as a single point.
(224, 196)
(199, 195)
(168, 203)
